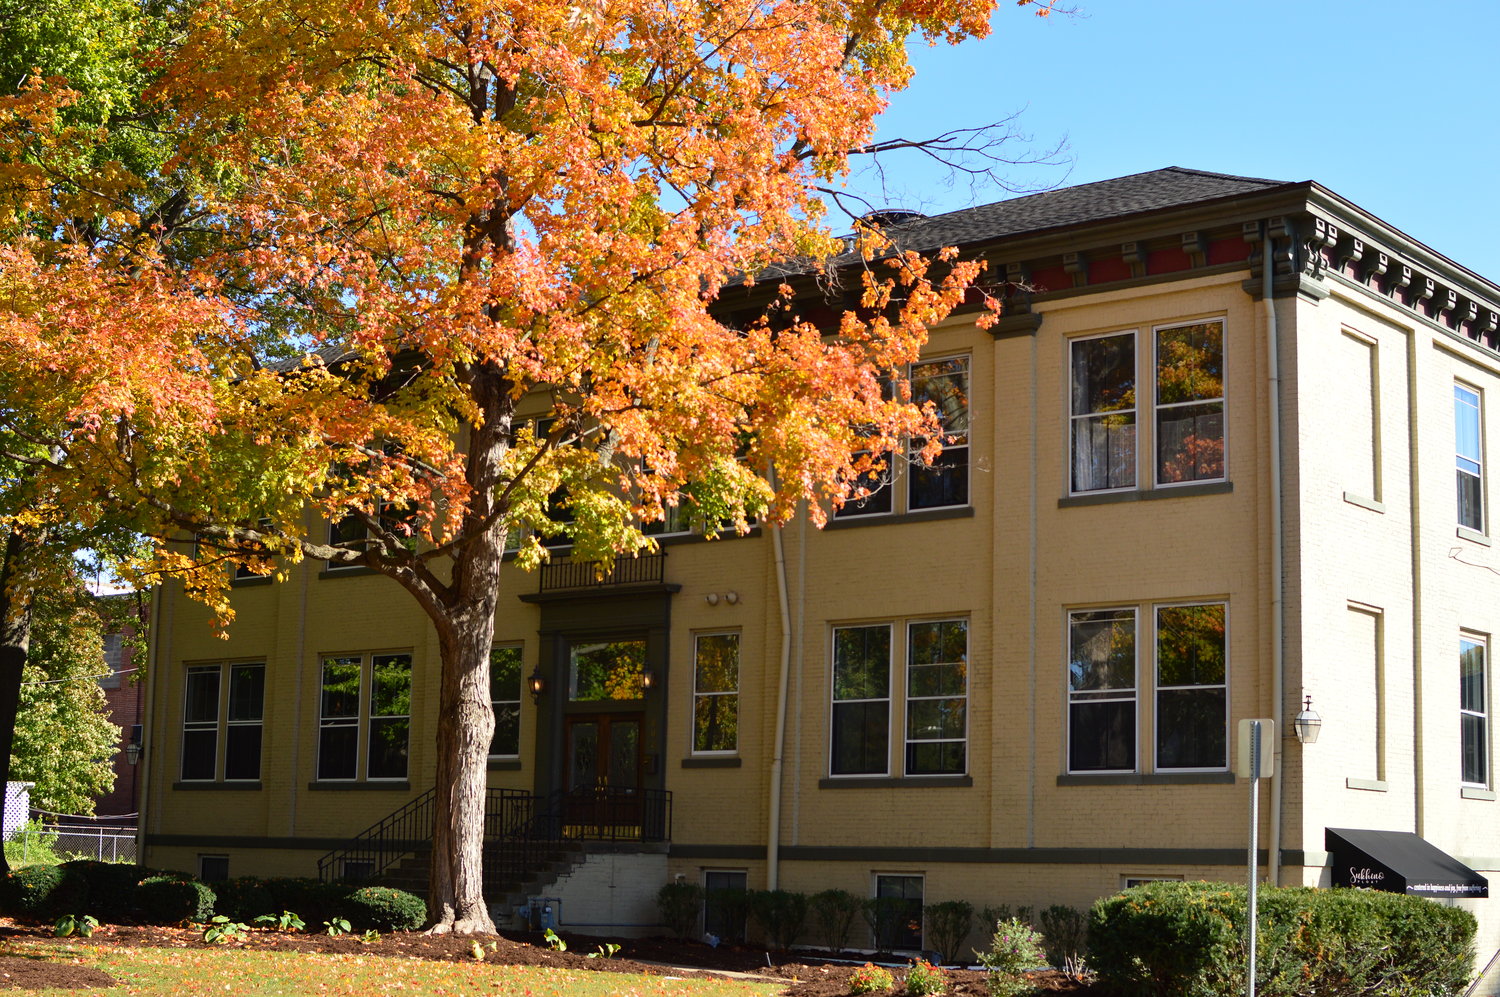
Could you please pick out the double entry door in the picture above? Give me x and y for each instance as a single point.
(602, 796)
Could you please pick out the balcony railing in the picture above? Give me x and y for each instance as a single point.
(647, 569)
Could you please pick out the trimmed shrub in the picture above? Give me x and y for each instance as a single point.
(834, 912)
(781, 914)
(42, 893)
(244, 899)
(1065, 932)
(110, 887)
(312, 899)
(172, 898)
(383, 909)
(948, 926)
(680, 904)
(1187, 940)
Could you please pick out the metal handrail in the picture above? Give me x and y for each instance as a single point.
(519, 829)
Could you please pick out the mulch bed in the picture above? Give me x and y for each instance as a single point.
(803, 974)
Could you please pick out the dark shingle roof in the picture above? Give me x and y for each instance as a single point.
(1171, 187)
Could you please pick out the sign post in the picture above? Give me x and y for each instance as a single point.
(1256, 759)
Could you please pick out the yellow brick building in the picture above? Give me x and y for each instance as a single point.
(1011, 678)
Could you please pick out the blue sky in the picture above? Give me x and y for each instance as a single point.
(1390, 104)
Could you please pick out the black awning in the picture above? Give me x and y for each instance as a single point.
(1399, 862)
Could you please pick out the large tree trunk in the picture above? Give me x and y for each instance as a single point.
(455, 897)
(466, 719)
(15, 639)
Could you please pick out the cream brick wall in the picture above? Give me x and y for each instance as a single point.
(1012, 565)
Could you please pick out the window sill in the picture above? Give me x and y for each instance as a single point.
(250, 581)
(1464, 533)
(711, 762)
(1364, 503)
(503, 765)
(1367, 785)
(1147, 494)
(354, 571)
(231, 786)
(890, 519)
(1475, 793)
(886, 782)
(401, 785)
(1149, 779)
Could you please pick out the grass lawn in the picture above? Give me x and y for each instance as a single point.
(198, 971)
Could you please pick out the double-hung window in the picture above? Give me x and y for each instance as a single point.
(934, 699)
(505, 697)
(1185, 418)
(943, 385)
(224, 705)
(1190, 691)
(1469, 455)
(1473, 709)
(716, 693)
(861, 700)
(364, 717)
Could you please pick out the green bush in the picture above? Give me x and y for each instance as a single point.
(42, 893)
(781, 914)
(381, 908)
(1065, 932)
(948, 925)
(313, 899)
(680, 905)
(171, 898)
(110, 887)
(1014, 948)
(834, 912)
(1187, 940)
(244, 899)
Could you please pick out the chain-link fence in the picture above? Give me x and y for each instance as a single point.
(36, 836)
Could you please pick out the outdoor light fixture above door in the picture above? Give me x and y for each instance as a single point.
(537, 683)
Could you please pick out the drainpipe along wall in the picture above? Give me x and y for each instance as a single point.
(1273, 400)
(773, 829)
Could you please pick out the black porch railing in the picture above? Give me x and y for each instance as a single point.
(643, 570)
(520, 830)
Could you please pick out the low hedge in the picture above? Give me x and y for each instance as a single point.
(110, 887)
(383, 909)
(244, 899)
(1187, 940)
(172, 898)
(310, 899)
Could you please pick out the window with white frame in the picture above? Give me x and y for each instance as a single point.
(1185, 418)
(1473, 709)
(933, 698)
(222, 722)
(937, 690)
(505, 697)
(716, 693)
(1469, 456)
(861, 700)
(1192, 692)
(1189, 684)
(364, 717)
(1101, 690)
(941, 383)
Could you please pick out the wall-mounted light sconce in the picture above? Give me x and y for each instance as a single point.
(731, 597)
(1308, 724)
(537, 683)
(648, 679)
(133, 752)
(712, 598)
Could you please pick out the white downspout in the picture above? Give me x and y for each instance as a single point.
(773, 829)
(1273, 380)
